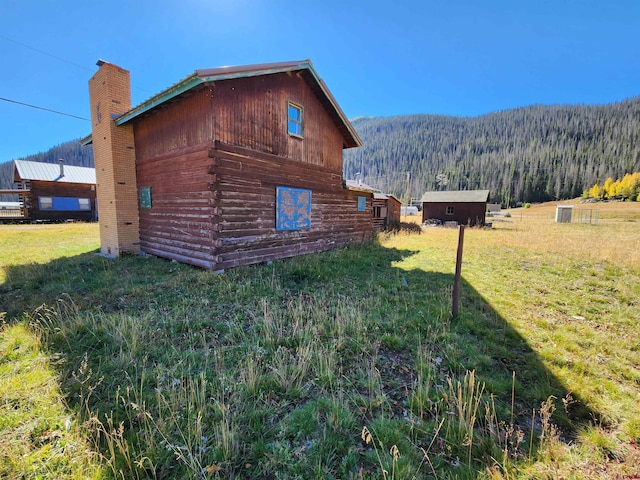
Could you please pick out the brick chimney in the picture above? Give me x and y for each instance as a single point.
(114, 158)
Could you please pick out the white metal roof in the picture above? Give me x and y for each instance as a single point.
(456, 196)
(50, 172)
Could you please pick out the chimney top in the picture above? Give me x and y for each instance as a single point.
(100, 62)
(61, 161)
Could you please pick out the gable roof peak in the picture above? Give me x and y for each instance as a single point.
(207, 75)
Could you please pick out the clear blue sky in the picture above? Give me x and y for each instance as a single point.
(453, 57)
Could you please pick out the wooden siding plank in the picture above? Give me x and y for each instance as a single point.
(179, 225)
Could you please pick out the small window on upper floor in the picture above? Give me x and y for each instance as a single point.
(294, 124)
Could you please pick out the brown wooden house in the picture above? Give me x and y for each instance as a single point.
(230, 166)
(465, 207)
(53, 192)
(386, 210)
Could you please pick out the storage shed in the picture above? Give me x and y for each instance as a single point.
(53, 192)
(564, 213)
(229, 166)
(465, 207)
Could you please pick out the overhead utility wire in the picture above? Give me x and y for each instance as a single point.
(58, 58)
(45, 109)
(46, 53)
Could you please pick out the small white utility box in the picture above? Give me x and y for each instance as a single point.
(563, 213)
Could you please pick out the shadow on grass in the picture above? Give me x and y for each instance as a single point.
(172, 304)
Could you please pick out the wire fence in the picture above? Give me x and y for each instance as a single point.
(586, 216)
(590, 216)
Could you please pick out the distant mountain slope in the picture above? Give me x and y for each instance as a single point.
(71, 152)
(529, 154)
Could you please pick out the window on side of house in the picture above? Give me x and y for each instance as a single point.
(45, 203)
(450, 210)
(84, 204)
(294, 124)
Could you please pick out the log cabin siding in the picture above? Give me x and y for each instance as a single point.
(180, 223)
(214, 206)
(246, 209)
(59, 189)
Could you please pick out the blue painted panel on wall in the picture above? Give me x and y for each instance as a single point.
(362, 204)
(65, 203)
(293, 208)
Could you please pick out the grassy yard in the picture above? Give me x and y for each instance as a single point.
(344, 364)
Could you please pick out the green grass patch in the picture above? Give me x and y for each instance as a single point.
(344, 364)
(39, 435)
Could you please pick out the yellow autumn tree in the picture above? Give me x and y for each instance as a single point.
(594, 192)
(626, 188)
(609, 188)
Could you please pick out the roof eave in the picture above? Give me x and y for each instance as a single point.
(227, 73)
(179, 88)
(429, 197)
(88, 140)
(357, 141)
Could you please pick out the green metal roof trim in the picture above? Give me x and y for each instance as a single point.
(88, 140)
(184, 85)
(226, 73)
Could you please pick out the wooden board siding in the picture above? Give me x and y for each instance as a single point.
(390, 212)
(245, 208)
(464, 213)
(252, 112)
(59, 189)
(249, 112)
(175, 126)
(393, 205)
(380, 222)
(180, 223)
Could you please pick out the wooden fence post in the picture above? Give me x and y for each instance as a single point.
(456, 279)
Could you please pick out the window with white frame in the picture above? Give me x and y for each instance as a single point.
(45, 203)
(294, 114)
(84, 204)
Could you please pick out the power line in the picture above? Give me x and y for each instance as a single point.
(46, 53)
(59, 58)
(45, 109)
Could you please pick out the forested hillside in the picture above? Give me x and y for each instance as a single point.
(71, 152)
(529, 154)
